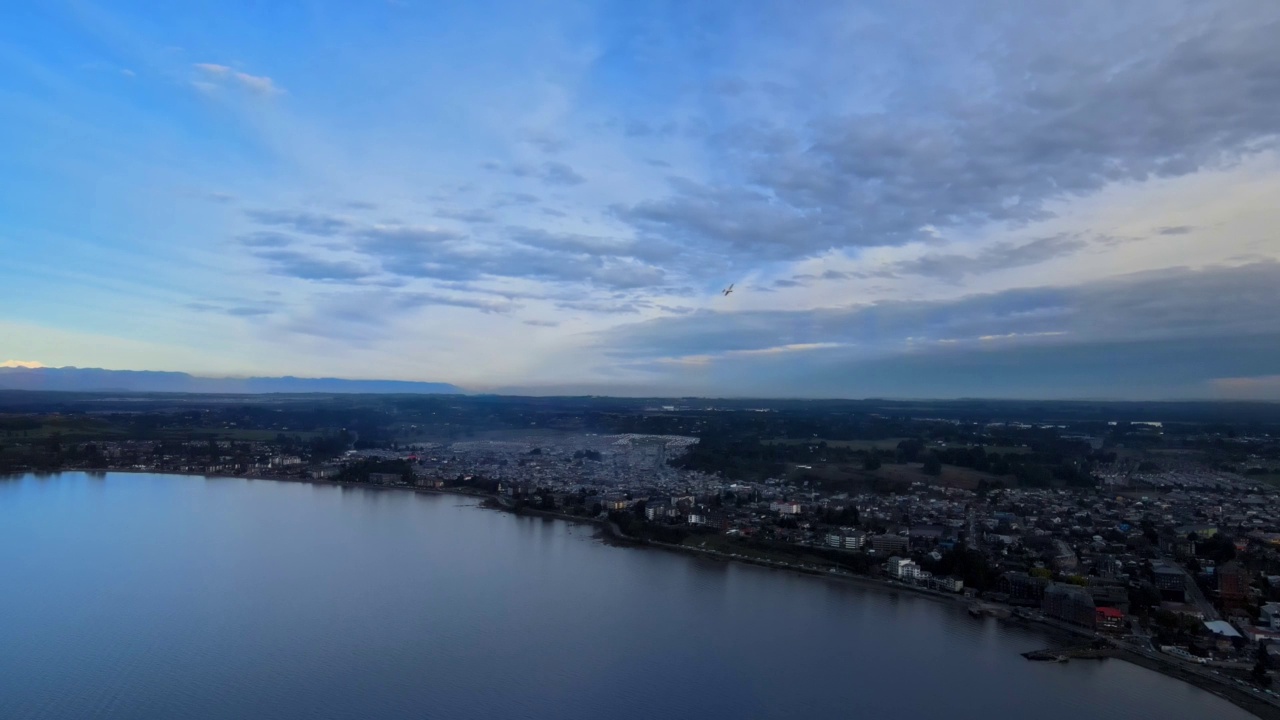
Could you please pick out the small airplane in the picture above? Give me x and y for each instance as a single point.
(727, 290)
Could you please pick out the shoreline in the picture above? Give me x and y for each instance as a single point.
(1057, 634)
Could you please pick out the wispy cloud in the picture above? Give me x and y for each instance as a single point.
(259, 84)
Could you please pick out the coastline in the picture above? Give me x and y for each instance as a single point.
(1058, 634)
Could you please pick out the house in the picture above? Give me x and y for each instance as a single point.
(1109, 619)
(785, 508)
(947, 584)
(381, 478)
(324, 473)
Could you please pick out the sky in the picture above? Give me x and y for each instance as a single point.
(911, 198)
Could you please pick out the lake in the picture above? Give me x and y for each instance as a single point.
(158, 596)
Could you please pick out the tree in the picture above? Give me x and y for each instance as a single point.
(871, 461)
(909, 450)
(932, 465)
(1260, 675)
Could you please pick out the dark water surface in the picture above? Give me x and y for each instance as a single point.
(153, 596)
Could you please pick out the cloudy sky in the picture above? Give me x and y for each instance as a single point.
(915, 199)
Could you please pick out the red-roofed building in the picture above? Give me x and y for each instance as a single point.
(1109, 619)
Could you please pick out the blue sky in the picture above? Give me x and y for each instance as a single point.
(914, 199)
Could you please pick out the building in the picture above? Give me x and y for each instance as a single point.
(786, 508)
(656, 510)
(380, 478)
(1269, 616)
(947, 584)
(1170, 581)
(846, 539)
(902, 569)
(1069, 603)
(1109, 619)
(1233, 584)
(1022, 589)
(889, 544)
(322, 473)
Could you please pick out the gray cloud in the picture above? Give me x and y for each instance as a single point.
(1175, 230)
(246, 311)
(447, 255)
(1001, 256)
(233, 310)
(603, 307)
(542, 323)
(301, 221)
(367, 315)
(474, 215)
(550, 173)
(591, 244)
(265, 239)
(1175, 304)
(546, 142)
(293, 263)
(1051, 108)
(557, 173)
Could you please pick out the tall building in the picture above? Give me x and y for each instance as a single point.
(1070, 603)
(1233, 583)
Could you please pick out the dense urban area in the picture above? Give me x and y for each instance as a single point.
(1146, 530)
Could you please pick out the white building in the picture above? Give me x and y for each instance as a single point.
(903, 569)
(1269, 616)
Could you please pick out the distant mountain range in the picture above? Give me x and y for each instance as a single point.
(98, 380)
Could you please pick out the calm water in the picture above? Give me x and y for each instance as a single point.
(150, 596)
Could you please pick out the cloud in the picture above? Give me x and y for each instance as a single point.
(1182, 304)
(591, 244)
(1000, 256)
(557, 173)
(297, 264)
(1044, 116)
(546, 142)
(542, 323)
(258, 84)
(474, 215)
(365, 315)
(1175, 230)
(301, 221)
(441, 254)
(550, 173)
(243, 311)
(265, 239)
(601, 307)
(1260, 387)
(30, 364)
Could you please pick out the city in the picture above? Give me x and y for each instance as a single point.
(1162, 545)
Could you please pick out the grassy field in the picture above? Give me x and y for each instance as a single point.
(69, 429)
(1269, 478)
